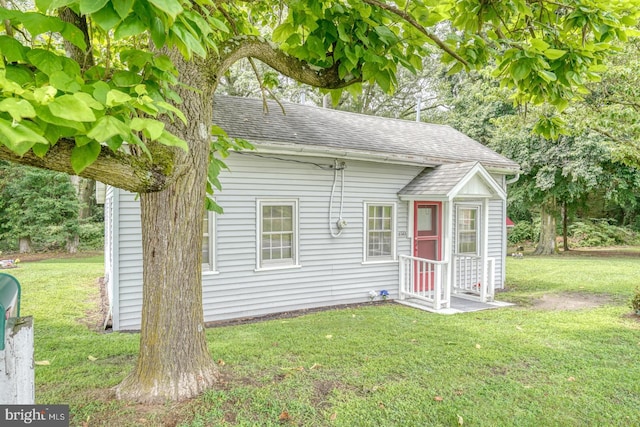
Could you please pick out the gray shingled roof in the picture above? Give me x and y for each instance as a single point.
(303, 125)
(438, 181)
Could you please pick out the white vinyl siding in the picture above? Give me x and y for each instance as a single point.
(127, 262)
(498, 239)
(380, 232)
(277, 234)
(330, 271)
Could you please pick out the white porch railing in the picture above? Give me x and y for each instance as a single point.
(471, 277)
(426, 280)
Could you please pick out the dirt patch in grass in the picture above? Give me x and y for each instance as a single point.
(322, 391)
(632, 316)
(608, 252)
(42, 256)
(97, 316)
(132, 414)
(570, 301)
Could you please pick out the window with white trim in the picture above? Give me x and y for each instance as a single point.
(467, 229)
(277, 233)
(380, 232)
(208, 242)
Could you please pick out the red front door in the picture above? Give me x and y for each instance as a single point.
(427, 229)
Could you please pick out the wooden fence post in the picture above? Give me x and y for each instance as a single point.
(17, 380)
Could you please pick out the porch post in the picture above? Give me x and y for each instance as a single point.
(485, 250)
(437, 286)
(447, 255)
(402, 278)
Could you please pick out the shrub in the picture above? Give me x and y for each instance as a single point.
(600, 232)
(524, 231)
(54, 238)
(42, 206)
(635, 301)
(32, 200)
(91, 236)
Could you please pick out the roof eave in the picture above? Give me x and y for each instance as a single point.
(426, 196)
(400, 159)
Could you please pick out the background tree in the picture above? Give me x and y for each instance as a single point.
(117, 121)
(85, 193)
(612, 106)
(556, 175)
(560, 175)
(36, 206)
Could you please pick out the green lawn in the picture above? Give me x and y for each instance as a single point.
(379, 365)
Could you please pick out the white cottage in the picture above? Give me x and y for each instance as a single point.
(329, 207)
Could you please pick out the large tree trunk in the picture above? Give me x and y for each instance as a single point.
(84, 192)
(24, 245)
(174, 362)
(547, 242)
(73, 242)
(565, 227)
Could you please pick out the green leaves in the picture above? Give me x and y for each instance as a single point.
(64, 82)
(220, 149)
(152, 129)
(550, 127)
(122, 7)
(171, 140)
(116, 97)
(87, 7)
(37, 23)
(386, 36)
(106, 18)
(158, 31)
(17, 108)
(107, 127)
(18, 137)
(171, 7)
(12, 49)
(44, 96)
(83, 156)
(545, 54)
(131, 26)
(554, 53)
(46, 61)
(71, 107)
(186, 42)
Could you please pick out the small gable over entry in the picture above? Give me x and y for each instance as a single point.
(446, 182)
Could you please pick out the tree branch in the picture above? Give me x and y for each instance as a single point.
(634, 105)
(609, 135)
(7, 24)
(83, 57)
(126, 171)
(258, 48)
(263, 89)
(411, 20)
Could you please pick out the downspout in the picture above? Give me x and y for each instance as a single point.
(504, 236)
(513, 180)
